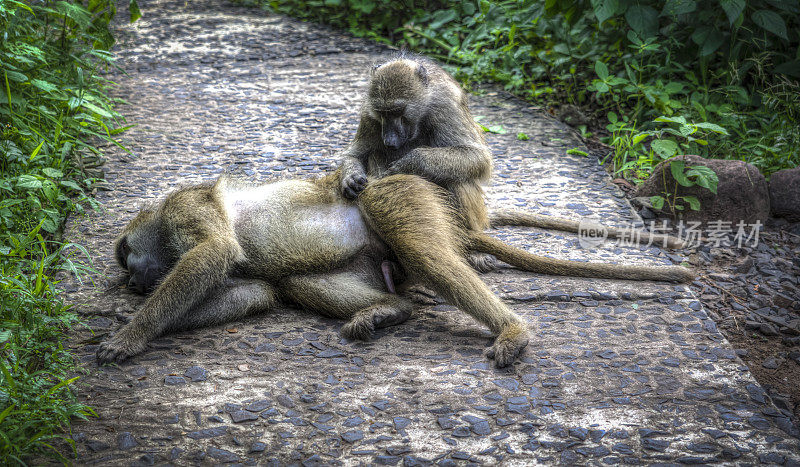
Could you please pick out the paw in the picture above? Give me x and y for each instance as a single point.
(384, 316)
(353, 184)
(360, 328)
(421, 295)
(483, 262)
(507, 347)
(116, 349)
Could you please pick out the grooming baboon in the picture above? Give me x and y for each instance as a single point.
(415, 120)
(219, 251)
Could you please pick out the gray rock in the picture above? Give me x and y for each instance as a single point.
(125, 441)
(742, 192)
(243, 416)
(171, 380)
(784, 194)
(196, 373)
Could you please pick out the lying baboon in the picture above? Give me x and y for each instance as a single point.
(219, 251)
(415, 120)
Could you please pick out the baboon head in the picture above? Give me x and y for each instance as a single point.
(398, 99)
(139, 250)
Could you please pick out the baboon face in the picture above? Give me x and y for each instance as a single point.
(397, 100)
(137, 251)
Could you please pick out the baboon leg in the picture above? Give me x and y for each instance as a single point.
(347, 296)
(406, 213)
(237, 299)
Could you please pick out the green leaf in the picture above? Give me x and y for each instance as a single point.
(601, 69)
(442, 17)
(704, 176)
(36, 151)
(577, 152)
(75, 12)
(612, 117)
(133, 7)
(733, 9)
(16, 76)
(522, 136)
(44, 85)
(792, 6)
(678, 7)
(657, 202)
(52, 173)
(497, 129)
(712, 127)
(665, 148)
(28, 181)
(678, 119)
(638, 138)
(604, 9)
(789, 68)
(96, 109)
(643, 19)
(673, 87)
(771, 22)
(676, 168)
(709, 39)
(694, 203)
(70, 184)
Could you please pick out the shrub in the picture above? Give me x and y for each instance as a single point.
(54, 111)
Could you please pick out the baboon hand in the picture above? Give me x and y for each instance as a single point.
(353, 183)
(404, 165)
(118, 347)
(508, 345)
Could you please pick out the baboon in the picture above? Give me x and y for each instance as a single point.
(415, 119)
(216, 252)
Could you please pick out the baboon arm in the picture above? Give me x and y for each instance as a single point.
(353, 170)
(446, 165)
(198, 273)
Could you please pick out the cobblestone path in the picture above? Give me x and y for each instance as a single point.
(617, 372)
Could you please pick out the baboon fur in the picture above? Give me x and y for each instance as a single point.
(415, 119)
(216, 252)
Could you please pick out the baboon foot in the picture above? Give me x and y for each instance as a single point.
(483, 262)
(421, 295)
(363, 325)
(508, 345)
(118, 348)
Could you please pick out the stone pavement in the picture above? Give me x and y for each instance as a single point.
(616, 372)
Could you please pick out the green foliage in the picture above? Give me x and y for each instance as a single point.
(699, 175)
(732, 63)
(496, 129)
(54, 111)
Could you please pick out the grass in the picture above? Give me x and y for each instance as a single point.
(55, 111)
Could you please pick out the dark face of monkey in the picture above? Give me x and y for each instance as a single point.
(397, 99)
(138, 252)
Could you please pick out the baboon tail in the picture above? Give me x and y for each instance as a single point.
(527, 219)
(529, 262)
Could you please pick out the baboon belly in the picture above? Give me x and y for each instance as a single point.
(303, 240)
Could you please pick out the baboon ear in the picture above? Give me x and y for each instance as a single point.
(121, 250)
(422, 73)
